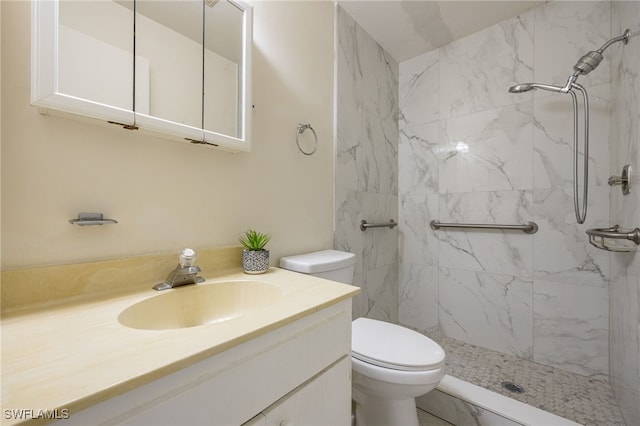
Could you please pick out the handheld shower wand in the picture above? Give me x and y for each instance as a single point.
(587, 63)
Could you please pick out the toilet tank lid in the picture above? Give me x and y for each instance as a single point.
(318, 261)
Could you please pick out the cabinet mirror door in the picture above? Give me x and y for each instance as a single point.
(169, 76)
(225, 68)
(79, 63)
(194, 75)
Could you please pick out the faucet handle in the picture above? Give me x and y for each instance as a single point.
(187, 258)
(193, 270)
(624, 179)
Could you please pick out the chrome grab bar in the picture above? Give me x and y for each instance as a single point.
(529, 227)
(364, 225)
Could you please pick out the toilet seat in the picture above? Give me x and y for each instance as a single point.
(395, 347)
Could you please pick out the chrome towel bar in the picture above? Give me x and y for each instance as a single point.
(529, 227)
(364, 225)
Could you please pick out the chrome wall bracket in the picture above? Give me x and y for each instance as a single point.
(623, 180)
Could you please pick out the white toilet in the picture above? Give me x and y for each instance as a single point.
(391, 365)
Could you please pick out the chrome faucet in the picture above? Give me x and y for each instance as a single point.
(185, 273)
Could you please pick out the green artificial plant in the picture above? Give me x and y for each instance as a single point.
(253, 240)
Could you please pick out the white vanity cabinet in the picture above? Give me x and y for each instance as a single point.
(321, 401)
(297, 374)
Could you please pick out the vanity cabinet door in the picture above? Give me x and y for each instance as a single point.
(80, 64)
(323, 400)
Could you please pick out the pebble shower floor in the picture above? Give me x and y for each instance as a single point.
(584, 400)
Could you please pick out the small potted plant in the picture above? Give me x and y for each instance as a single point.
(255, 259)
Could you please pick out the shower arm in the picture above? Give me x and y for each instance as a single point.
(624, 38)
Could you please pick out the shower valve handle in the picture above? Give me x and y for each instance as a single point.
(624, 180)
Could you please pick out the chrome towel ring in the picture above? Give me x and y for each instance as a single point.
(301, 129)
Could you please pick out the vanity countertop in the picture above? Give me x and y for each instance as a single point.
(72, 355)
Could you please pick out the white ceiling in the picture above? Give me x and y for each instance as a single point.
(408, 28)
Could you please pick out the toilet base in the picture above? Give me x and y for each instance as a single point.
(372, 411)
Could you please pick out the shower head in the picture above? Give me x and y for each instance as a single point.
(526, 87)
(521, 88)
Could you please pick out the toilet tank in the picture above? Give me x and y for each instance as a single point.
(333, 265)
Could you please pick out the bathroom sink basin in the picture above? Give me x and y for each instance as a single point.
(199, 304)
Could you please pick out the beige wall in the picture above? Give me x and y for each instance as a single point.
(168, 195)
(1, 132)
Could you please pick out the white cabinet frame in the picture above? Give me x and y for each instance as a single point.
(45, 90)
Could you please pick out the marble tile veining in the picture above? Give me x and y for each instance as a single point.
(571, 327)
(375, 250)
(418, 92)
(418, 296)
(490, 310)
(418, 243)
(490, 150)
(561, 250)
(625, 211)
(475, 71)
(368, 112)
(366, 168)
(418, 152)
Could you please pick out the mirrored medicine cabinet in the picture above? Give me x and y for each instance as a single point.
(179, 68)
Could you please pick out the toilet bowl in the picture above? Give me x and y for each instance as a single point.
(391, 365)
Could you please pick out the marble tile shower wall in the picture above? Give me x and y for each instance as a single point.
(367, 166)
(625, 211)
(471, 152)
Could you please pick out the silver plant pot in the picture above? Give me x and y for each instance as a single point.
(255, 261)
